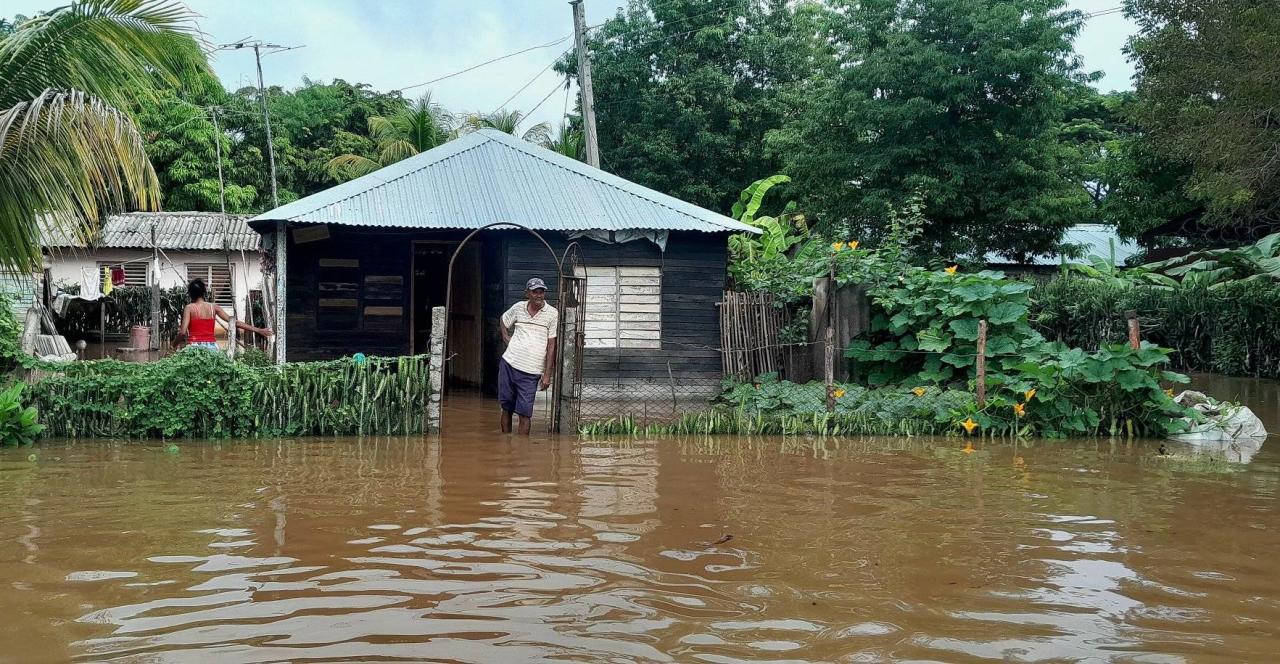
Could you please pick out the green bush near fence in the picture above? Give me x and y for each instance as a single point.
(197, 393)
(1231, 328)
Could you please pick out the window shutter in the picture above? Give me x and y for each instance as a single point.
(218, 278)
(623, 307)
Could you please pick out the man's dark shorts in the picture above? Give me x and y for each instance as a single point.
(516, 389)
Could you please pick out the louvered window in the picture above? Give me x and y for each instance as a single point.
(623, 307)
(217, 278)
(135, 273)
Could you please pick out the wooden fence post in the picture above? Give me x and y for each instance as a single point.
(981, 362)
(831, 367)
(1135, 333)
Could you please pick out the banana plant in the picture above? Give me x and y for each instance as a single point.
(777, 233)
(1215, 267)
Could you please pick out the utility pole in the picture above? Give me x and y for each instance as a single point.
(584, 84)
(281, 234)
(226, 233)
(266, 118)
(155, 291)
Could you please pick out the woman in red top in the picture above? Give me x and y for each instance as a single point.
(199, 317)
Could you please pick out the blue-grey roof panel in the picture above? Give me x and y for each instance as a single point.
(487, 177)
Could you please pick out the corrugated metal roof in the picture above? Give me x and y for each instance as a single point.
(487, 177)
(174, 230)
(1093, 240)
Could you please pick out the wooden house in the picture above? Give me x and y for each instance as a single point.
(367, 260)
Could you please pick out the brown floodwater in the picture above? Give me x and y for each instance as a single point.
(475, 547)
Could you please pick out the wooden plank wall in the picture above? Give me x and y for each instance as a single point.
(349, 256)
(693, 279)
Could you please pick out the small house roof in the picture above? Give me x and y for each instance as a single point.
(1092, 239)
(488, 177)
(173, 230)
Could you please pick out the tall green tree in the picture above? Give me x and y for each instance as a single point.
(1207, 96)
(416, 128)
(69, 150)
(181, 142)
(960, 101)
(685, 90)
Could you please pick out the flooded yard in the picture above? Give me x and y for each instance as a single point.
(479, 548)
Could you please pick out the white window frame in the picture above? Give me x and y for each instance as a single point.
(623, 307)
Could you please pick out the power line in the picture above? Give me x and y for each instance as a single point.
(544, 100)
(530, 81)
(486, 62)
(1104, 12)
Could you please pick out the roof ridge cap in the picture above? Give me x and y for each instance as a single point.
(521, 145)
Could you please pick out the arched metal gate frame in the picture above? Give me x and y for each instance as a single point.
(554, 424)
(573, 295)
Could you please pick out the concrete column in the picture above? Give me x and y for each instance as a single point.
(437, 367)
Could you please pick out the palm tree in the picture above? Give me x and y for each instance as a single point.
(68, 150)
(417, 128)
(508, 122)
(569, 142)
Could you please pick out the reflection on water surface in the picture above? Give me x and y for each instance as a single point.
(483, 549)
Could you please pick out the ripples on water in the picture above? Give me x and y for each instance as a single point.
(486, 550)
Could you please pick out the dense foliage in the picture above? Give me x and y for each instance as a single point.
(687, 89)
(18, 422)
(962, 102)
(1207, 98)
(1231, 328)
(196, 393)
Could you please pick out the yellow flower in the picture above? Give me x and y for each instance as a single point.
(918, 391)
(1019, 409)
(1169, 392)
(968, 448)
(952, 269)
(1029, 394)
(853, 244)
(838, 393)
(837, 245)
(969, 425)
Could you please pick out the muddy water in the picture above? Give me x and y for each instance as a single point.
(480, 548)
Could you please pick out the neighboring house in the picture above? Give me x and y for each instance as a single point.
(19, 290)
(1098, 240)
(368, 259)
(221, 249)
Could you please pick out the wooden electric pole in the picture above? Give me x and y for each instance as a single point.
(281, 234)
(584, 84)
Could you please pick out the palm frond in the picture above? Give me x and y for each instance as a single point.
(350, 166)
(66, 159)
(390, 152)
(113, 50)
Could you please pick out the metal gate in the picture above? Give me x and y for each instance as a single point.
(566, 395)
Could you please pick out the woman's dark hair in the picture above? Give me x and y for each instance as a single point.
(196, 289)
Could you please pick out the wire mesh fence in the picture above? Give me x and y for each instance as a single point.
(645, 400)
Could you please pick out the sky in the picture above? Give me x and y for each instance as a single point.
(392, 44)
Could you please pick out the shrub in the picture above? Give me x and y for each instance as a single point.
(1231, 328)
(196, 393)
(925, 327)
(18, 425)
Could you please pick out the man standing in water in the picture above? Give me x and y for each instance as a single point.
(529, 332)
